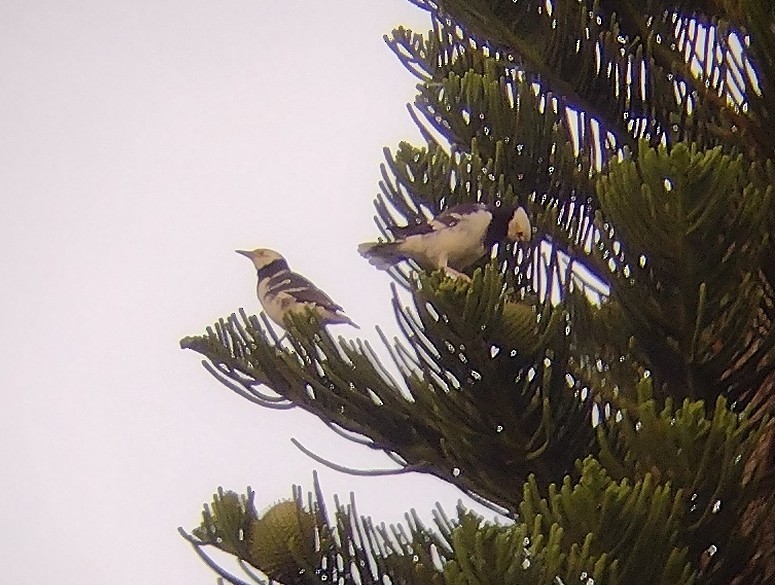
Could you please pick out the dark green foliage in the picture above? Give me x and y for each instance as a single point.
(485, 379)
(639, 505)
(687, 274)
(606, 387)
(302, 543)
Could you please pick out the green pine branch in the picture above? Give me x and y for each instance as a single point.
(608, 385)
(634, 508)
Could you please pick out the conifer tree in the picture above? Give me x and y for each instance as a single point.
(607, 387)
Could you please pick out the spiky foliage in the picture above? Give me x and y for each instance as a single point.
(672, 515)
(608, 387)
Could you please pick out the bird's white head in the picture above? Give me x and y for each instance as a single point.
(261, 257)
(519, 229)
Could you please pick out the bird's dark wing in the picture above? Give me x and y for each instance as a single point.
(447, 218)
(451, 217)
(303, 291)
(413, 229)
(317, 296)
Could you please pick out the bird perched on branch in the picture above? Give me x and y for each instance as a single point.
(282, 291)
(453, 240)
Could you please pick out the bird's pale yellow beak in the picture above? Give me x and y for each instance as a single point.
(245, 253)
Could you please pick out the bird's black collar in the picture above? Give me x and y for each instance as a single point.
(272, 268)
(499, 225)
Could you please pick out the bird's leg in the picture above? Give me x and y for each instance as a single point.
(452, 273)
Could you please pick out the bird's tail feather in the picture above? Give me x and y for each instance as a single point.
(336, 318)
(381, 254)
(346, 320)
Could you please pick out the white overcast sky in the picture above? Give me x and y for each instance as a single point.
(141, 143)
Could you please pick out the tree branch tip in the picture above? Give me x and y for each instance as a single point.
(190, 538)
(348, 470)
(188, 341)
